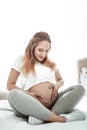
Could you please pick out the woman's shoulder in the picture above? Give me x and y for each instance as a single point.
(19, 58)
(17, 64)
(51, 59)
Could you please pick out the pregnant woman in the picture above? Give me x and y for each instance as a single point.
(37, 97)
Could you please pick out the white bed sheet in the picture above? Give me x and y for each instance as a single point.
(9, 121)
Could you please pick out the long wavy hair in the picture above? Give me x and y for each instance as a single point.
(29, 59)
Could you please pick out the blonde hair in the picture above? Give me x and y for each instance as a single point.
(29, 59)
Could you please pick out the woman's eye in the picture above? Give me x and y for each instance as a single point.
(40, 50)
(47, 51)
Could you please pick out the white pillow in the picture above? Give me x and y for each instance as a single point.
(3, 95)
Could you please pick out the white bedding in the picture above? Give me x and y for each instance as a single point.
(9, 121)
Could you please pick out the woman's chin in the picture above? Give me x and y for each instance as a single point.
(40, 60)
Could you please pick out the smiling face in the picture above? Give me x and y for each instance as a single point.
(41, 51)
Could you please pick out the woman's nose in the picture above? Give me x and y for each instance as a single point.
(44, 54)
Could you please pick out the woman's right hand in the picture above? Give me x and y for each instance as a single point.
(54, 94)
(37, 96)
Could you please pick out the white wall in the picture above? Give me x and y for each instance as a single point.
(64, 20)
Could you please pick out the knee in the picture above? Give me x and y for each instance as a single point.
(80, 88)
(12, 95)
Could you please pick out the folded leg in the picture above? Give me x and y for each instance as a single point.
(68, 99)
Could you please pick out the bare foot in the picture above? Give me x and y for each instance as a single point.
(61, 119)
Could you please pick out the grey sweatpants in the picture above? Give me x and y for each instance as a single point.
(25, 105)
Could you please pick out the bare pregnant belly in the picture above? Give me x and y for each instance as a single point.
(43, 90)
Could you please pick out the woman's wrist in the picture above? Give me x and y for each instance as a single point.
(59, 83)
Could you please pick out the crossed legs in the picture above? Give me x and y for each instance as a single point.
(26, 105)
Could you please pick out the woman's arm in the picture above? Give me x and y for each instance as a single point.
(59, 79)
(57, 85)
(12, 79)
(11, 83)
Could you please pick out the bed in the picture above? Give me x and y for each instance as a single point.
(9, 121)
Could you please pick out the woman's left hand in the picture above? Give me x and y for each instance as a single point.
(54, 94)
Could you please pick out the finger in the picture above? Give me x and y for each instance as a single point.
(39, 96)
(43, 99)
(52, 94)
(55, 96)
(51, 86)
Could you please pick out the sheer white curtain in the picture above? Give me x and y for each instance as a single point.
(64, 20)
